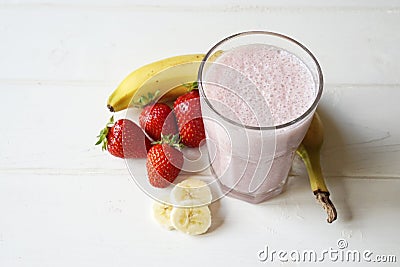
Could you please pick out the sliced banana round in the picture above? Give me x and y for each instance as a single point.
(161, 213)
(190, 193)
(192, 221)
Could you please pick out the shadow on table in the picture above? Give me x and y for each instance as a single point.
(333, 134)
(217, 218)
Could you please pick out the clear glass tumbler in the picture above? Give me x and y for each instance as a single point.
(251, 161)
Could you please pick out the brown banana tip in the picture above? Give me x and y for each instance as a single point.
(323, 199)
(110, 108)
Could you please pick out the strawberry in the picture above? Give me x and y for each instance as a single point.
(164, 161)
(190, 123)
(156, 118)
(124, 139)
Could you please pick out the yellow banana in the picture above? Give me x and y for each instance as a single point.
(167, 76)
(309, 151)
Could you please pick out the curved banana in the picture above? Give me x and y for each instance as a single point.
(309, 151)
(168, 76)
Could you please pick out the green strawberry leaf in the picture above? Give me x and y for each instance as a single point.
(102, 137)
(146, 100)
(191, 86)
(172, 140)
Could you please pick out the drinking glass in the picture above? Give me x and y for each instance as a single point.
(251, 162)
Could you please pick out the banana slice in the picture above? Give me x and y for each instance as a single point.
(192, 221)
(190, 193)
(161, 213)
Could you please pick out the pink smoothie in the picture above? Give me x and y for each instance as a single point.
(261, 86)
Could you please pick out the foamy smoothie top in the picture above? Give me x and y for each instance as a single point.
(259, 85)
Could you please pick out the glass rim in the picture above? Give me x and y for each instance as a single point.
(280, 126)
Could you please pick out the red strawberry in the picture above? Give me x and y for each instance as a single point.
(190, 123)
(156, 119)
(164, 162)
(124, 139)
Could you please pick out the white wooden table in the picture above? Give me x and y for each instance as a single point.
(65, 203)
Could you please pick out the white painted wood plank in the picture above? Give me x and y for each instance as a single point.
(362, 131)
(52, 128)
(58, 43)
(205, 4)
(98, 220)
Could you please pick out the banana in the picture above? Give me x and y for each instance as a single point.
(190, 193)
(188, 217)
(309, 151)
(192, 221)
(161, 213)
(169, 76)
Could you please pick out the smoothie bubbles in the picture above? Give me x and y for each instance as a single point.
(259, 91)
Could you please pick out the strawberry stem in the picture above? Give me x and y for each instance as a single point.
(191, 86)
(147, 100)
(172, 140)
(102, 137)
